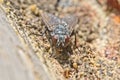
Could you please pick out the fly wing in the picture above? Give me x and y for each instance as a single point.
(71, 20)
(50, 20)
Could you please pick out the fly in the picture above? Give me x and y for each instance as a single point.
(59, 30)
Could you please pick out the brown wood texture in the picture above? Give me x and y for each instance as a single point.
(17, 62)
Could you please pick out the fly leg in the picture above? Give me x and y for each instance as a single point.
(46, 32)
(75, 40)
(50, 42)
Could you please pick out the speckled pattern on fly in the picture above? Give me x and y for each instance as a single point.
(59, 30)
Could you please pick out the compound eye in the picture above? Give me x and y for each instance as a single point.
(67, 39)
(54, 39)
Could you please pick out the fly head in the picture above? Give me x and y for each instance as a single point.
(61, 35)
